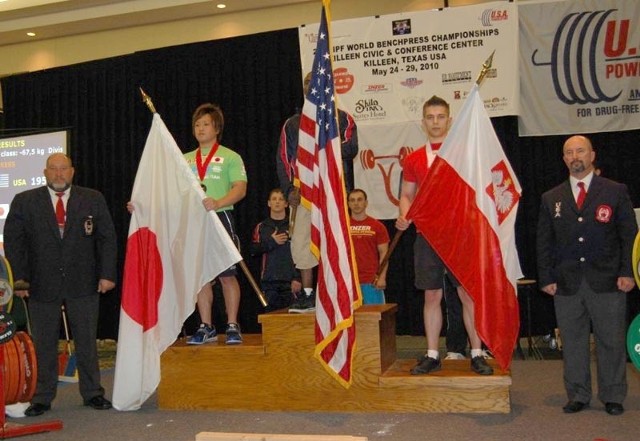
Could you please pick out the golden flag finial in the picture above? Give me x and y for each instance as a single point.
(147, 100)
(485, 68)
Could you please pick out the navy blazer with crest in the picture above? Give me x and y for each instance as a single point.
(57, 267)
(594, 242)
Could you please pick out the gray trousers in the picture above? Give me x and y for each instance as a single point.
(606, 313)
(82, 315)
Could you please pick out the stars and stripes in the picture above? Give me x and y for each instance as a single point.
(319, 163)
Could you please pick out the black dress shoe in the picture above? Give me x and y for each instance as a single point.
(574, 407)
(37, 409)
(614, 408)
(98, 403)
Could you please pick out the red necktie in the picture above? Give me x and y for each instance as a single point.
(582, 193)
(60, 213)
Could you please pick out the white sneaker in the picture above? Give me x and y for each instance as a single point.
(487, 355)
(454, 356)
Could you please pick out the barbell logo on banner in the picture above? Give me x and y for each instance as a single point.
(588, 60)
(573, 63)
(369, 160)
(492, 15)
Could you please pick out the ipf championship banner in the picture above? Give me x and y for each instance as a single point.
(579, 67)
(386, 67)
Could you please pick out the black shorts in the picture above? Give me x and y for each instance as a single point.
(429, 268)
(227, 219)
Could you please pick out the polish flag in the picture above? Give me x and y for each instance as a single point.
(466, 209)
(174, 248)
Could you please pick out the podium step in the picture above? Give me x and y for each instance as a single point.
(456, 371)
(251, 344)
(277, 371)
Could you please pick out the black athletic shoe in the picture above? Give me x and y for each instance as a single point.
(480, 366)
(304, 303)
(426, 365)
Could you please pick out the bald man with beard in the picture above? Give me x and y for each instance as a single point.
(60, 239)
(586, 230)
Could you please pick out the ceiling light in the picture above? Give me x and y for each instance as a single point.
(221, 6)
(31, 34)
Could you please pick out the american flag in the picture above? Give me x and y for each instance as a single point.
(322, 188)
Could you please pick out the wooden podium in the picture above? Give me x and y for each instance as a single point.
(277, 371)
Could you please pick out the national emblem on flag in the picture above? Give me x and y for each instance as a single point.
(466, 208)
(502, 190)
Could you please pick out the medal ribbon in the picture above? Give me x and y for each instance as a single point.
(202, 167)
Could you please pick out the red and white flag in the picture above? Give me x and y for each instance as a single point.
(319, 163)
(466, 208)
(174, 247)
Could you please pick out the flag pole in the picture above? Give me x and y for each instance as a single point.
(254, 285)
(292, 219)
(147, 100)
(396, 238)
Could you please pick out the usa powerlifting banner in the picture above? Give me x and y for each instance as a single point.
(386, 67)
(579, 67)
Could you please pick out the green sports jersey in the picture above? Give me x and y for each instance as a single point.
(225, 168)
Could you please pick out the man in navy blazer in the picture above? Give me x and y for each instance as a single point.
(584, 248)
(67, 258)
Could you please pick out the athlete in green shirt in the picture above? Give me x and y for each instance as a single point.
(223, 177)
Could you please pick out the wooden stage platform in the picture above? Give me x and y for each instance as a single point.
(276, 371)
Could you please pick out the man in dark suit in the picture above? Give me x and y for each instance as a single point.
(586, 230)
(60, 239)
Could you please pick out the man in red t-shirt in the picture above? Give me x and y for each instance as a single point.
(370, 243)
(429, 268)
